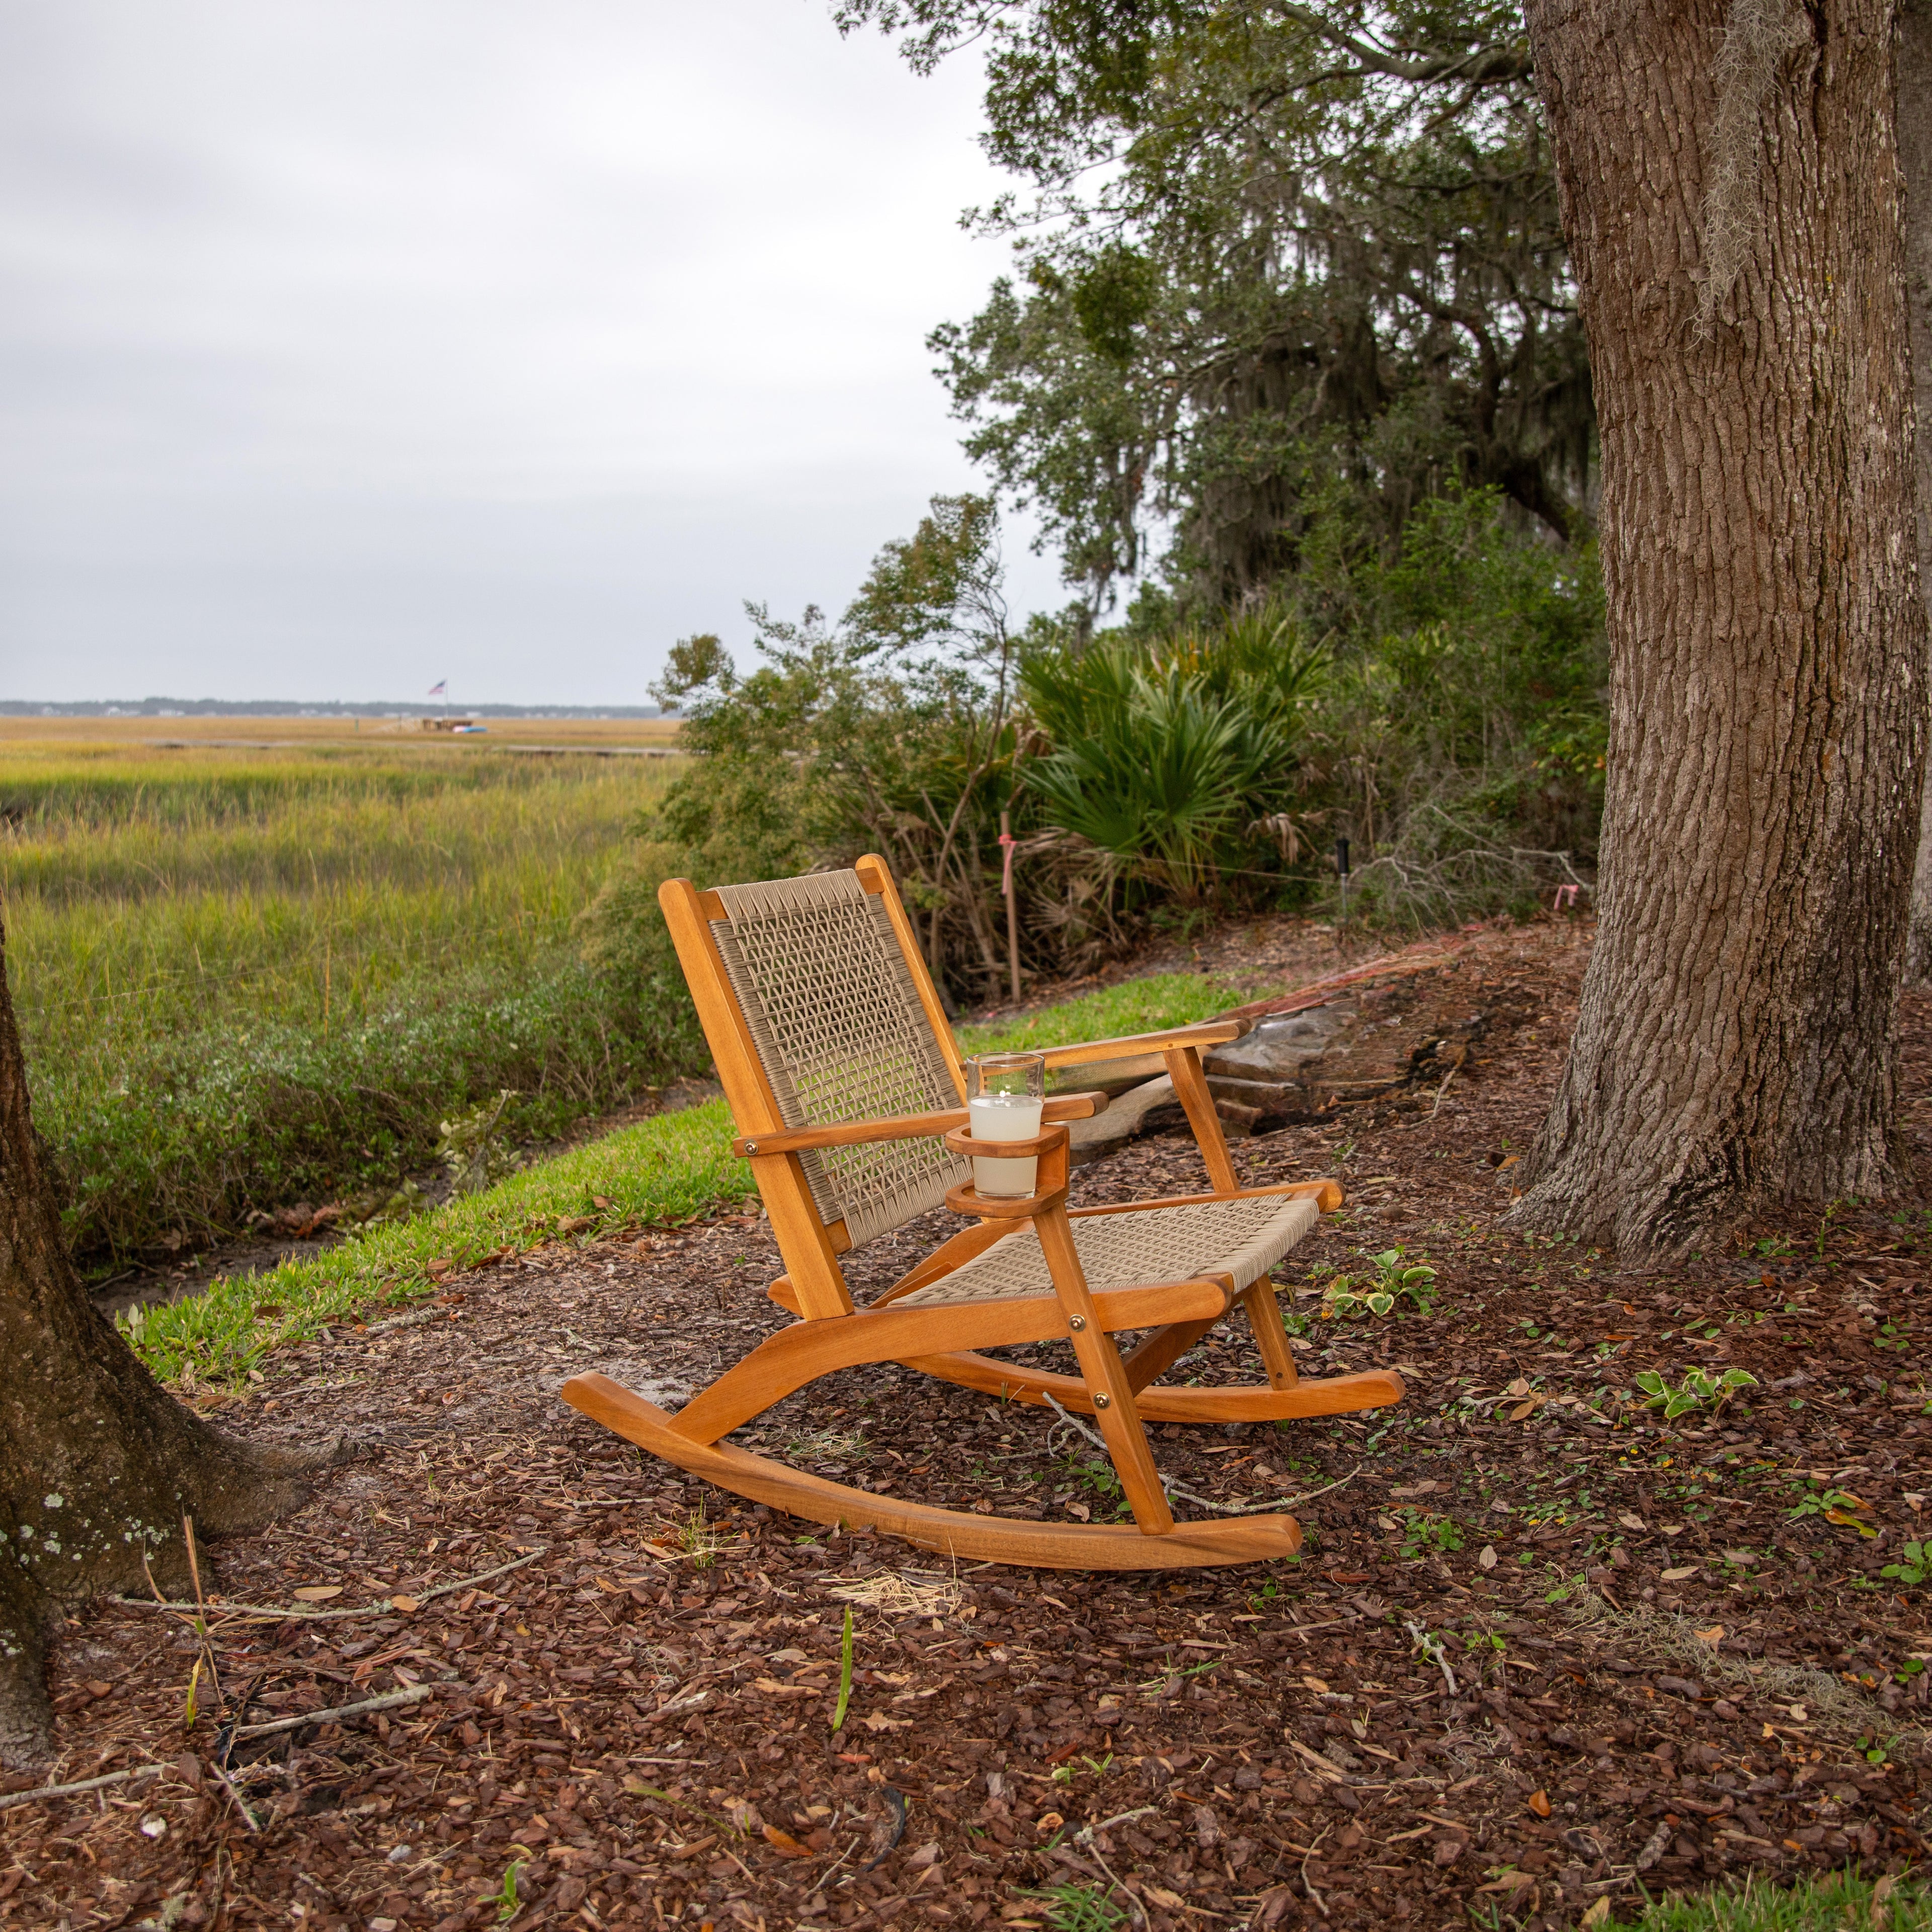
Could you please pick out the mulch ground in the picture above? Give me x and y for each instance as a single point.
(1541, 1646)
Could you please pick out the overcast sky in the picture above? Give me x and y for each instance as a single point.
(347, 345)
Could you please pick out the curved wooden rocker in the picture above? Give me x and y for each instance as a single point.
(845, 1080)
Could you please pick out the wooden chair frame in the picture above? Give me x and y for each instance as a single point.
(945, 1339)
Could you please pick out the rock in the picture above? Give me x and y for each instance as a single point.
(1277, 1050)
(1125, 1117)
(1358, 1048)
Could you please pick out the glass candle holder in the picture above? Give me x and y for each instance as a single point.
(1005, 1095)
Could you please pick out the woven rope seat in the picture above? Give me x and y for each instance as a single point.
(1244, 1237)
(832, 1046)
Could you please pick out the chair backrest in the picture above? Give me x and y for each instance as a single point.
(838, 1012)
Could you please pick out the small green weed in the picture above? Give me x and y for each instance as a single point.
(504, 1898)
(844, 1673)
(1837, 1506)
(1079, 1908)
(1914, 1565)
(1424, 1534)
(1698, 1387)
(1393, 1280)
(700, 1541)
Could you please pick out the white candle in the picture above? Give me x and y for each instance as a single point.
(1004, 1116)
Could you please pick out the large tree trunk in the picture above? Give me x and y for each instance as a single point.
(98, 1463)
(1768, 688)
(1915, 156)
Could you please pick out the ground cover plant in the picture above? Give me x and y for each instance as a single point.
(1549, 1655)
(246, 979)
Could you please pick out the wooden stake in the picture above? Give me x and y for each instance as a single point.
(1007, 889)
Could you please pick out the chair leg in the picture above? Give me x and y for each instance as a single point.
(1263, 1314)
(1105, 1377)
(1190, 1087)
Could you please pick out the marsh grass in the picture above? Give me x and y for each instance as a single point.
(247, 979)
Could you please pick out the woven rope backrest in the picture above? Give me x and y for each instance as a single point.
(836, 1019)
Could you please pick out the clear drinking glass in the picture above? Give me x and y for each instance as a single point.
(1005, 1093)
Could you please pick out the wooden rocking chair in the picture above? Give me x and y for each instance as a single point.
(847, 1086)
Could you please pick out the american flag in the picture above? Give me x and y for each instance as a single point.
(440, 688)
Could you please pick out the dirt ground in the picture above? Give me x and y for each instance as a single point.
(1540, 1647)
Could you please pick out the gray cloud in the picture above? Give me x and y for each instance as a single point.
(344, 346)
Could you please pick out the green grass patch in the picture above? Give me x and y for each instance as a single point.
(670, 1169)
(1834, 1903)
(1133, 1005)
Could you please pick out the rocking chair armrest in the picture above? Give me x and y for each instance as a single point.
(1131, 1046)
(898, 1127)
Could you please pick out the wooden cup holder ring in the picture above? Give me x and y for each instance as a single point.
(1049, 1147)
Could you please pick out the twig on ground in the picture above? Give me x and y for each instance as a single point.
(234, 1797)
(380, 1608)
(1308, 1884)
(387, 1701)
(1074, 1422)
(1430, 1646)
(1174, 1489)
(137, 1772)
(1085, 1836)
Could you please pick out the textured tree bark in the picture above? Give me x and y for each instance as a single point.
(98, 1463)
(1915, 155)
(1734, 1045)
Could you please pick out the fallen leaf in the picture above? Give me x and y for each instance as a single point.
(785, 1844)
(1678, 1575)
(1597, 1913)
(1713, 1635)
(1168, 1901)
(1522, 1409)
(1539, 1803)
(1049, 1821)
(1510, 1881)
(1629, 1523)
(875, 1721)
(1316, 1685)
(1487, 1561)
(409, 1605)
(317, 1593)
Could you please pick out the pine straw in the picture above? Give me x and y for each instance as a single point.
(900, 1593)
